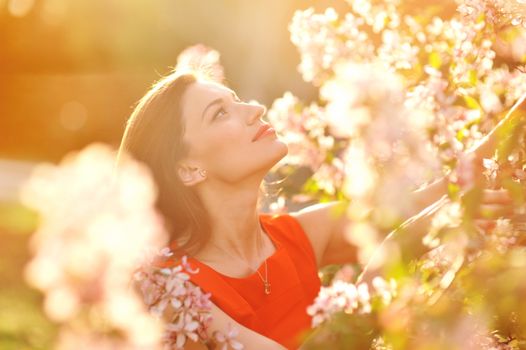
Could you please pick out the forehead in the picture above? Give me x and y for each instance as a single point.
(199, 94)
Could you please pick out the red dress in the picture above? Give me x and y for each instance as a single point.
(292, 273)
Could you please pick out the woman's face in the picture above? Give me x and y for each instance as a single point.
(220, 128)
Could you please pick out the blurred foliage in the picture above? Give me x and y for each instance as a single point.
(23, 324)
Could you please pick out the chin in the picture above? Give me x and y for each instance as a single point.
(265, 161)
(285, 148)
(282, 150)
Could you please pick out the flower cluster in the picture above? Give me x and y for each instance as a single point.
(349, 298)
(94, 258)
(362, 141)
(94, 225)
(405, 95)
(168, 293)
(365, 103)
(323, 39)
(439, 63)
(448, 64)
(303, 129)
(203, 61)
(168, 289)
(499, 11)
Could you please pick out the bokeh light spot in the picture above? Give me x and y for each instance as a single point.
(20, 8)
(73, 115)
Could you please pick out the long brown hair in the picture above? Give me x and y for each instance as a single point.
(154, 135)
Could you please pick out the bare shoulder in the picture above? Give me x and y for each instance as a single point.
(319, 221)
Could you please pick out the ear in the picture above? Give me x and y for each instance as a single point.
(189, 175)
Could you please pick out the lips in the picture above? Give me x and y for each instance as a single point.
(261, 131)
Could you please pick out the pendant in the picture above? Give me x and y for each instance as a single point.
(267, 287)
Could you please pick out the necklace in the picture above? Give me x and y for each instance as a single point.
(266, 283)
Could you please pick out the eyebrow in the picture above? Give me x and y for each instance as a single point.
(216, 101)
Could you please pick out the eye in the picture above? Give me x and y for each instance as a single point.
(220, 112)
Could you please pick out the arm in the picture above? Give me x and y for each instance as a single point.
(324, 224)
(487, 145)
(405, 242)
(220, 320)
(423, 197)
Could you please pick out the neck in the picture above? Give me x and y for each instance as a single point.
(233, 211)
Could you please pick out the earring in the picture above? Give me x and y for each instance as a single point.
(202, 173)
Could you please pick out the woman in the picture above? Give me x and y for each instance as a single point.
(209, 152)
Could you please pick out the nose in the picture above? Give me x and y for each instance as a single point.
(255, 111)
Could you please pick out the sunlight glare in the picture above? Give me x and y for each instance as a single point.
(20, 8)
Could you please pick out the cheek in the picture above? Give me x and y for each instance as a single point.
(225, 141)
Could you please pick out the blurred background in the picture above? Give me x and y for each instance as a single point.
(70, 74)
(71, 70)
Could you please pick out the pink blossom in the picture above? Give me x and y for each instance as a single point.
(77, 262)
(227, 340)
(202, 60)
(349, 298)
(169, 292)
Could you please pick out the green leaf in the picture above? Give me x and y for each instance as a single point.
(509, 135)
(471, 102)
(435, 60)
(461, 133)
(453, 190)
